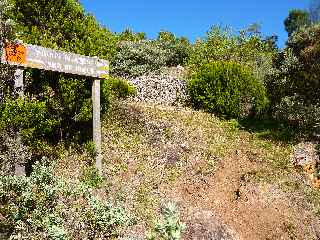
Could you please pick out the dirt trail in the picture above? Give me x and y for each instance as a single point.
(245, 210)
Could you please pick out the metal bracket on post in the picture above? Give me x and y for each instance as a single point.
(19, 170)
(97, 123)
(18, 82)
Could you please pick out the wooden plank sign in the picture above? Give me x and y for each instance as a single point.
(31, 56)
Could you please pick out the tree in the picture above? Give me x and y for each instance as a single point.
(248, 48)
(295, 83)
(314, 11)
(272, 41)
(166, 36)
(129, 35)
(6, 34)
(296, 19)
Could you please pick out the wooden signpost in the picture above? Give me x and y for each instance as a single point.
(31, 56)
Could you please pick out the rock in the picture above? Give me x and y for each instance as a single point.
(305, 154)
(204, 225)
(167, 87)
(184, 146)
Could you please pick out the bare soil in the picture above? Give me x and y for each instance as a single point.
(249, 210)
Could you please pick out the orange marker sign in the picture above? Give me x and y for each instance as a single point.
(16, 53)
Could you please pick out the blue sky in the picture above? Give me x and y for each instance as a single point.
(193, 18)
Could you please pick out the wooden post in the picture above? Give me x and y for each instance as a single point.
(97, 123)
(19, 170)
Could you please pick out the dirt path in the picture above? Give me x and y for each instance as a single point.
(240, 208)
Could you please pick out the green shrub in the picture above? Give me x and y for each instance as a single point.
(119, 88)
(28, 116)
(44, 206)
(90, 148)
(297, 112)
(136, 58)
(67, 98)
(297, 19)
(170, 227)
(75, 30)
(129, 35)
(140, 57)
(179, 48)
(227, 88)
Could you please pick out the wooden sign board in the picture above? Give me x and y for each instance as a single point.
(31, 56)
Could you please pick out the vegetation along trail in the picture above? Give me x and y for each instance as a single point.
(213, 139)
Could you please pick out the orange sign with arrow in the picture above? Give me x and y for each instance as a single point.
(16, 53)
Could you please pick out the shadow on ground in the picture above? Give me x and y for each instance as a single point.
(268, 129)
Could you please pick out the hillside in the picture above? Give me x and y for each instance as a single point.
(228, 183)
(217, 138)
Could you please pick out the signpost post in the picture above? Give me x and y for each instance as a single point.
(31, 56)
(97, 123)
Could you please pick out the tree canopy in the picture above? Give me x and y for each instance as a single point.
(296, 20)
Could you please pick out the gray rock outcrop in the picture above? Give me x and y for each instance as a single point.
(167, 87)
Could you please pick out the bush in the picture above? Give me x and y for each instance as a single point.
(136, 58)
(129, 35)
(179, 48)
(64, 98)
(297, 18)
(305, 78)
(119, 88)
(140, 57)
(297, 112)
(44, 206)
(227, 88)
(28, 116)
(90, 176)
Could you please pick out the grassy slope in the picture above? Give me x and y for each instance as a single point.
(153, 154)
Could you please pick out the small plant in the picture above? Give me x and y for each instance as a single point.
(91, 177)
(90, 148)
(170, 227)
